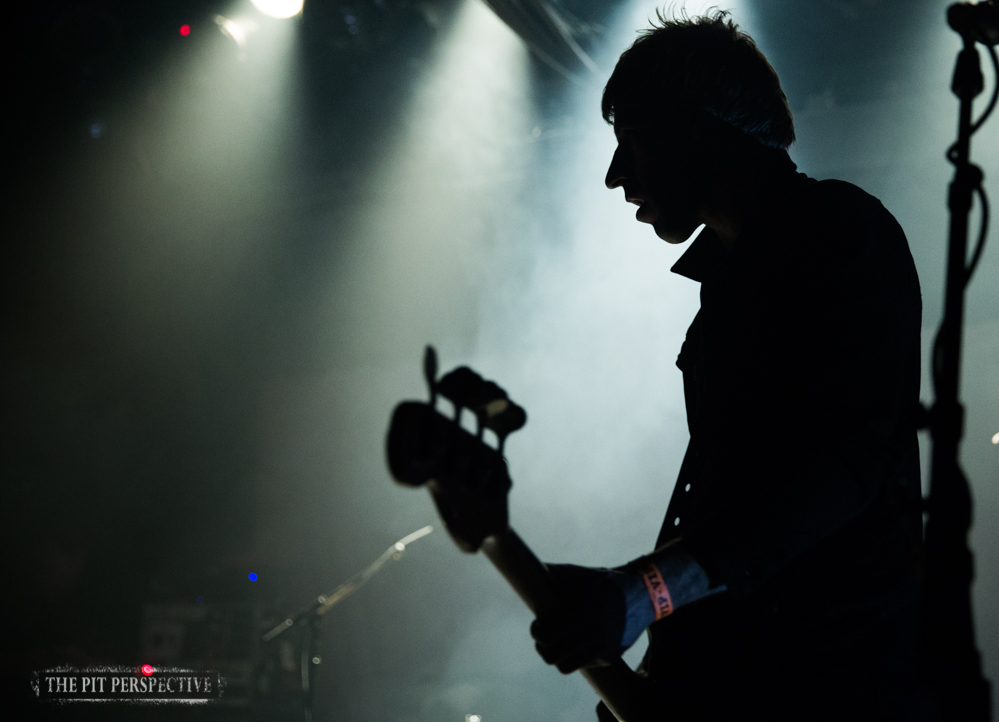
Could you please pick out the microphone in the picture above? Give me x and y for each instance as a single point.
(976, 21)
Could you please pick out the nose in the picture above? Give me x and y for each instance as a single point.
(616, 172)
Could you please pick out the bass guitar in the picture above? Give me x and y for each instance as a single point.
(469, 482)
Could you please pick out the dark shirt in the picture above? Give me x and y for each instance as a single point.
(800, 488)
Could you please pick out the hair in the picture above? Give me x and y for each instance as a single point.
(686, 68)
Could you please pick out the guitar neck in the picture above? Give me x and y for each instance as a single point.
(624, 691)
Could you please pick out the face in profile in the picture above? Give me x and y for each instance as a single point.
(662, 175)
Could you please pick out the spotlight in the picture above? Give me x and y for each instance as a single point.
(279, 8)
(185, 30)
(233, 29)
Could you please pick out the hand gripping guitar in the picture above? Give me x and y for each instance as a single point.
(469, 482)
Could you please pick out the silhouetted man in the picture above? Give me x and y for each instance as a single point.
(785, 581)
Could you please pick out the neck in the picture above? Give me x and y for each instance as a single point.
(747, 192)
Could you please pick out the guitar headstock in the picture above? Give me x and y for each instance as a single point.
(467, 478)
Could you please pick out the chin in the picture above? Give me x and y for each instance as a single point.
(675, 235)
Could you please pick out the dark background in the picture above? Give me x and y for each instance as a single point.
(220, 265)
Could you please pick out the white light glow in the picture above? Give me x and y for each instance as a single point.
(995, 438)
(235, 30)
(280, 9)
(452, 158)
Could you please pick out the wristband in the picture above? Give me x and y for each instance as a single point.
(658, 593)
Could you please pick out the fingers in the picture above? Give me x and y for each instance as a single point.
(566, 664)
(555, 645)
(552, 641)
(587, 630)
(565, 646)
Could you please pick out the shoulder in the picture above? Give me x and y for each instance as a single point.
(855, 246)
(843, 224)
(838, 205)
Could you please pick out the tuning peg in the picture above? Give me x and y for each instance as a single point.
(485, 402)
(430, 372)
(461, 387)
(505, 421)
(492, 407)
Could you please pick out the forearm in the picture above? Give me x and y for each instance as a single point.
(608, 609)
(658, 584)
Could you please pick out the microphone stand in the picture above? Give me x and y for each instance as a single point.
(312, 614)
(953, 661)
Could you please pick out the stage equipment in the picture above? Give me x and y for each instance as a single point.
(469, 482)
(977, 21)
(220, 637)
(953, 661)
(552, 33)
(311, 614)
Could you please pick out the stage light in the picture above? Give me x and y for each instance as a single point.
(147, 669)
(280, 9)
(185, 30)
(234, 30)
(253, 577)
(995, 438)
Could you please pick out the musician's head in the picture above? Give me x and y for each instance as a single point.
(690, 97)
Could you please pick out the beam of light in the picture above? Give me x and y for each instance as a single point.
(451, 162)
(469, 103)
(281, 9)
(212, 141)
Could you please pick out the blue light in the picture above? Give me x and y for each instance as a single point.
(199, 600)
(96, 130)
(253, 577)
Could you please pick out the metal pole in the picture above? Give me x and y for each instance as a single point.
(953, 660)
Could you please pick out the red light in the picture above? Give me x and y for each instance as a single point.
(147, 669)
(185, 30)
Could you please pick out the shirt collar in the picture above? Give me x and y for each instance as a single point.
(705, 255)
